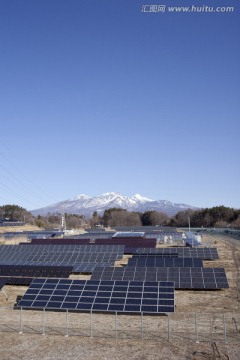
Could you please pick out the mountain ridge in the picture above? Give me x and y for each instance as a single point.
(87, 205)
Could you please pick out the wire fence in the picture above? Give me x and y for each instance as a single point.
(196, 327)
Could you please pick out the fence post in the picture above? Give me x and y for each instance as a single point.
(91, 323)
(43, 322)
(21, 327)
(225, 328)
(66, 334)
(116, 325)
(141, 325)
(168, 318)
(196, 328)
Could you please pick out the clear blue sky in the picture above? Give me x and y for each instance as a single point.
(97, 96)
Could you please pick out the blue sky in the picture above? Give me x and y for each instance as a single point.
(96, 96)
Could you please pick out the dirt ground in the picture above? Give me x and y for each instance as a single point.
(55, 345)
(35, 347)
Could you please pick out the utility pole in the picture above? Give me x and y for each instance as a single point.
(63, 220)
(189, 224)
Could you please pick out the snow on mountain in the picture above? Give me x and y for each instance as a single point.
(81, 197)
(86, 205)
(140, 199)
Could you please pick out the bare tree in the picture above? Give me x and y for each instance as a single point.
(124, 218)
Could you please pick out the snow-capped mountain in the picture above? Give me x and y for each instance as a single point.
(86, 205)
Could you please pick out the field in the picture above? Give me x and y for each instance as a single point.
(216, 335)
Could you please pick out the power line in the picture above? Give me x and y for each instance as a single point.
(11, 178)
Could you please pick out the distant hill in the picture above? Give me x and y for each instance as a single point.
(86, 205)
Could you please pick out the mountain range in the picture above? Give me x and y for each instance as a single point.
(86, 205)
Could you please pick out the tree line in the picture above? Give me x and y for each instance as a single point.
(219, 216)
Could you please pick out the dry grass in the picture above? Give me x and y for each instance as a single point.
(4, 229)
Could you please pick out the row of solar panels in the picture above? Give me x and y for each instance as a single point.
(44, 234)
(81, 258)
(35, 271)
(26, 281)
(146, 228)
(11, 223)
(204, 253)
(112, 234)
(183, 278)
(70, 245)
(25, 247)
(147, 261)
(104, 296)
(135, 242)
(85, 258)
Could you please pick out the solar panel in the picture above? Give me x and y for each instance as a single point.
(184, 278)
(146, 228)
(60, 255)
(164, 262)
(127, 234)
(159, 255)
(15, 281)
(62, 248)
(99, 296)
(161, 251)
(35, 271)
(204, 253)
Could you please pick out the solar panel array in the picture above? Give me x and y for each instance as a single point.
(183, 278)
(68, 241)
(15, 281)
(145, 285)
(146, 228)
(33, 234)
(11, 223)
(164, 262)
(164, 235)
(80, 257)
(97, 235)
(99, 296)
(156, 255)
(128, 234)
(35, 271)
(95, 230)
(204, 253)
(127, 242)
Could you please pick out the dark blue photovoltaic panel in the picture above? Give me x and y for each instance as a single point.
(89, 239)
(15, 281)
(160, 255)
(184, 278)
(35, 271)
(203, 253)
(106, 296)
(151, 261)
(80, 257)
